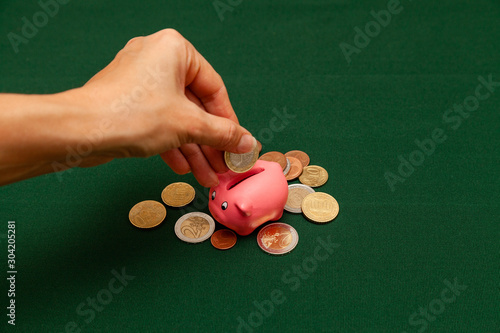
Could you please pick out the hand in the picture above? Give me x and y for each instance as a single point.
(163, 97)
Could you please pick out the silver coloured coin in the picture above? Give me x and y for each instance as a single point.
(194, 227)
(287, 168)
(297, 193)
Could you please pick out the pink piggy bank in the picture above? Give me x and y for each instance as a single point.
(244, 201)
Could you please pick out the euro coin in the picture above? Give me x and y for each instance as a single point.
(295, 168)
(320, 207)
(297, 193)
(194, 227)
(300, 155)
(313, 176)
(287, 168)
(223, 239)
(241, 162)
(178, 194)
(147, 214)
(277, 238)
(275, 156)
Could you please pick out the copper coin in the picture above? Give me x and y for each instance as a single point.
(259, 146)
(313, 175)
(300, 155)
(147, 214)
(275, 156)
(277, 238)
(178, 194)
(223, 239)
(295, 168)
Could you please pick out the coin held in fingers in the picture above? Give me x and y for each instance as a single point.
(241, 162)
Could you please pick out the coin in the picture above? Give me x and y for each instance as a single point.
(223, 239)
(194, 227)
(313, 176)
(147, 214)
(275, 156)
(297, 193)
(320, 207)
(241, 162)
(259, 145)
(295, 168)
(277, 238)
(287, 168)
(300, 155)
(178, 194)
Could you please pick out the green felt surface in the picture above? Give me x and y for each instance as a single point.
(395, 248)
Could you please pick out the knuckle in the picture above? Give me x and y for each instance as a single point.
(190, 153)
(182, 170)
(171, 37)
(230, 135)
(135, 40)
(170, 32)
(193, 130)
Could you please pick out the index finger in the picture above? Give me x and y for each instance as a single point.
(207, 85)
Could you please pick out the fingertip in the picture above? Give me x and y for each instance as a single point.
(214, 180)
(246, 144)
(176, 161)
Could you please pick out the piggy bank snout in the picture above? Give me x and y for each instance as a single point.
(245, 208)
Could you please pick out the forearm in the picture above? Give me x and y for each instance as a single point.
(157, 96)
(38, 131)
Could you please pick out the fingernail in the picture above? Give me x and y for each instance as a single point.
(214, 179)
(246, 144)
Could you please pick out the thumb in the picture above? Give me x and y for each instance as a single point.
(221, 133)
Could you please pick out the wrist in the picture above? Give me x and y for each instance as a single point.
(108, 128)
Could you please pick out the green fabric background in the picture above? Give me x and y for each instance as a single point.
(396, 247)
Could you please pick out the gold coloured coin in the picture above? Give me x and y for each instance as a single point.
(300, 155)
(178, 194)
(147, 214)
(241, 162)
(296, 193)
(313, 175)
(320, 207)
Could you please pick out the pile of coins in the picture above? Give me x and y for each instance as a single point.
(276, 238)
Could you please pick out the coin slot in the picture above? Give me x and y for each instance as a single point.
(244, 177)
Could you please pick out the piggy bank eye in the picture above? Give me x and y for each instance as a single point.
(213, 195)
(224, 205)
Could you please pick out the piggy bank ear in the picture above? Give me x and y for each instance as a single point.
(244, 206)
